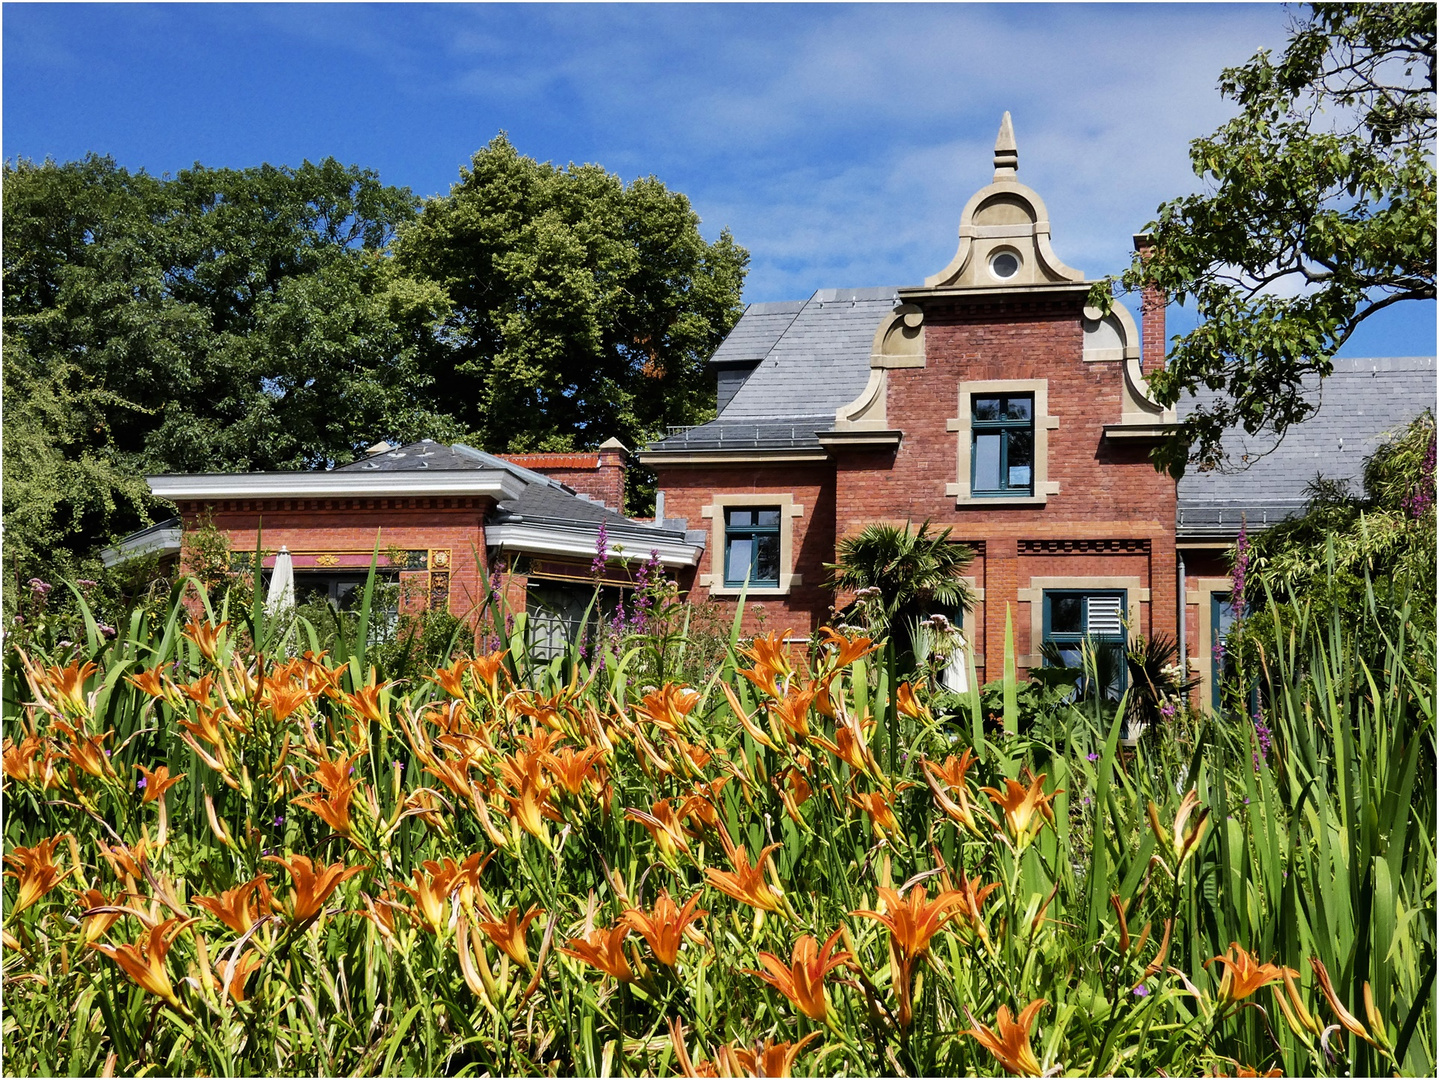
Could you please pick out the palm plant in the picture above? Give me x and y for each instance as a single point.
(913, 571)
(910, 575)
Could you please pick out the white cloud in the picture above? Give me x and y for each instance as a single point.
(843, 141)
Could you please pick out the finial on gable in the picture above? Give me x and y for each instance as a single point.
(1006, 153)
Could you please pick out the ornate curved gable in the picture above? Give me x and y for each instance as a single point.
(1004, 233)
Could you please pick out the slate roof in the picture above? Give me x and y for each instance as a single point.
(756, 333)
(544, 500)
(1361, 404)
(813, 358)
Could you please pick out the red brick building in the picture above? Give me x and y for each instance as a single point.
(450, 522)
(991, 400)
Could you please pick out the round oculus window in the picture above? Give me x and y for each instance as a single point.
(1004, 265)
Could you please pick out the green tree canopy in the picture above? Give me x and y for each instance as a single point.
(1319, 213)
(581, 307)
(220, 320)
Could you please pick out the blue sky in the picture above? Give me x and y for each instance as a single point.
(837, 142)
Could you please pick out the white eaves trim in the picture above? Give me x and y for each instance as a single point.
(580, 543)
(148, 542)
(497, 484)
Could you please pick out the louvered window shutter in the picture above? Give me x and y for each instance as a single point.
(1104, 616)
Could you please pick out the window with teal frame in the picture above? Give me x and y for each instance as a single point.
(751, 547)
(1072, 617)
(1003, 459)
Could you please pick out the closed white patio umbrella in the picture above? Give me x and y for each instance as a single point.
(282, 584)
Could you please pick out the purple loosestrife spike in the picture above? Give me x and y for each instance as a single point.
(1241, 569)
(602, 545)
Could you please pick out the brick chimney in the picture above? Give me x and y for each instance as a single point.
(1153, 342)
(614, 459)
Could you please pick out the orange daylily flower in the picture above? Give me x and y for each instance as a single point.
(802, 980)
(31, 761)
(771, 1059)
(1010, 1046)
(911, 922)
(668, 708)
(60, 691)
(199, 690)
(206, 637)
(604, 949)
(464, 877)
(793, 714)
(451, 679)
(700, 807)
(573, 767)
(312, 887)
(158, 782)
(771, 663)
(664, 826)
(880, 810)
(549, 711)
(794, 791)
(914, 920)
(433, 885)
(1025, 809)
(509, 935)
(366, 701)
(747, 882)
(97, 925)
(536, 745)
(846, 650)
(692, 759)
(906, 703)
(487, 671)
(35, 869)
(332, 808)
(149, 681)
(664, 926)
(126, 862)
(87, 752)
(234, 908)
(951, 792)
(530, 806)
(849, 745)
(332, 774)
(1347, 1019)
(144, 961)
(381, 912)
(1244, 974)
(970, 909)
(826, 703)
(236, 973)
(283, 701)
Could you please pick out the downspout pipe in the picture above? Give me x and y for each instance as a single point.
(1183, 622)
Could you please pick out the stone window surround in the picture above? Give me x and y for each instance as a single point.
(1134, 590)
(963, 426)
(788, 511)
